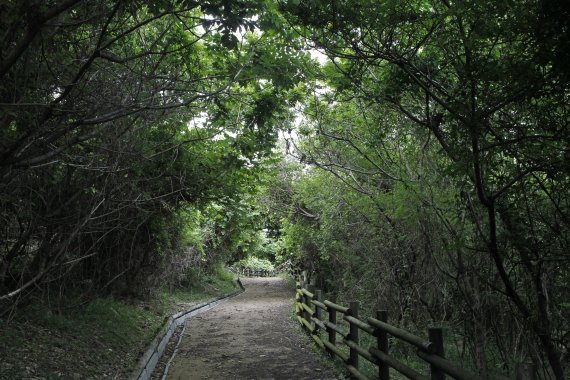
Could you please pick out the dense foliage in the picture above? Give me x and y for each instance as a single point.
(441, 133)
(131, 132)
(427, 168)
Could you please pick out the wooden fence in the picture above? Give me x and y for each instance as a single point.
(309, 309)
(286, 267)
(249, 272)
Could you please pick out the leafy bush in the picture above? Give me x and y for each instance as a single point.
(255, 263)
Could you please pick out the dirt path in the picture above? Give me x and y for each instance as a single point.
(251, 336)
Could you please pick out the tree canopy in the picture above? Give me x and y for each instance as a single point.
(116, 116)
(426, 164)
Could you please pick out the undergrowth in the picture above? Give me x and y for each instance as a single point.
(100, 338)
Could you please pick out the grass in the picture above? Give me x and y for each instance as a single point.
(287, 277)
(90, 341)
(201, 285)
(102, 338)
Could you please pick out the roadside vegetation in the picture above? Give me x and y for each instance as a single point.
(134, 138)
(75, 338)
(411, 155)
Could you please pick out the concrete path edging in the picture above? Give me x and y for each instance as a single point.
(148, 361)
(251, 336)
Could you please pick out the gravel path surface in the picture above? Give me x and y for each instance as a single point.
(251, 336)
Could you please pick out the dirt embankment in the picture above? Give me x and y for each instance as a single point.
(251, 336)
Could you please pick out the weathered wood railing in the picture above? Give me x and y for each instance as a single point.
(248, 272)
(309, 309)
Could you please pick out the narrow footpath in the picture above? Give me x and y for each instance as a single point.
(251, 336)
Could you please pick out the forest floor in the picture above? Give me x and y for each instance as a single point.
(251, 336)
(101, 339)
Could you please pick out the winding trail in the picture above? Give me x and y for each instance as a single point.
(251, 336)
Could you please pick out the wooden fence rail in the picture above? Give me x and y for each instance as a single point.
(309, 308)
(248, 272)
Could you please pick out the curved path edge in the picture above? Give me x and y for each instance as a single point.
(251, 336)
(148, 361)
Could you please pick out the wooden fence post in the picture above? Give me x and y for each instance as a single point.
(298, 298)
(332, 320)
(353, 334)
(382, 341)
(305, 297)
(436, 337)
(303, 300)
(308, 316)
(318, 313)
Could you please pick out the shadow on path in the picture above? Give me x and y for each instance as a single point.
(251, 336)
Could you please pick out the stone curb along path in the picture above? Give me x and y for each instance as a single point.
(251, 336)
(148, 361)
